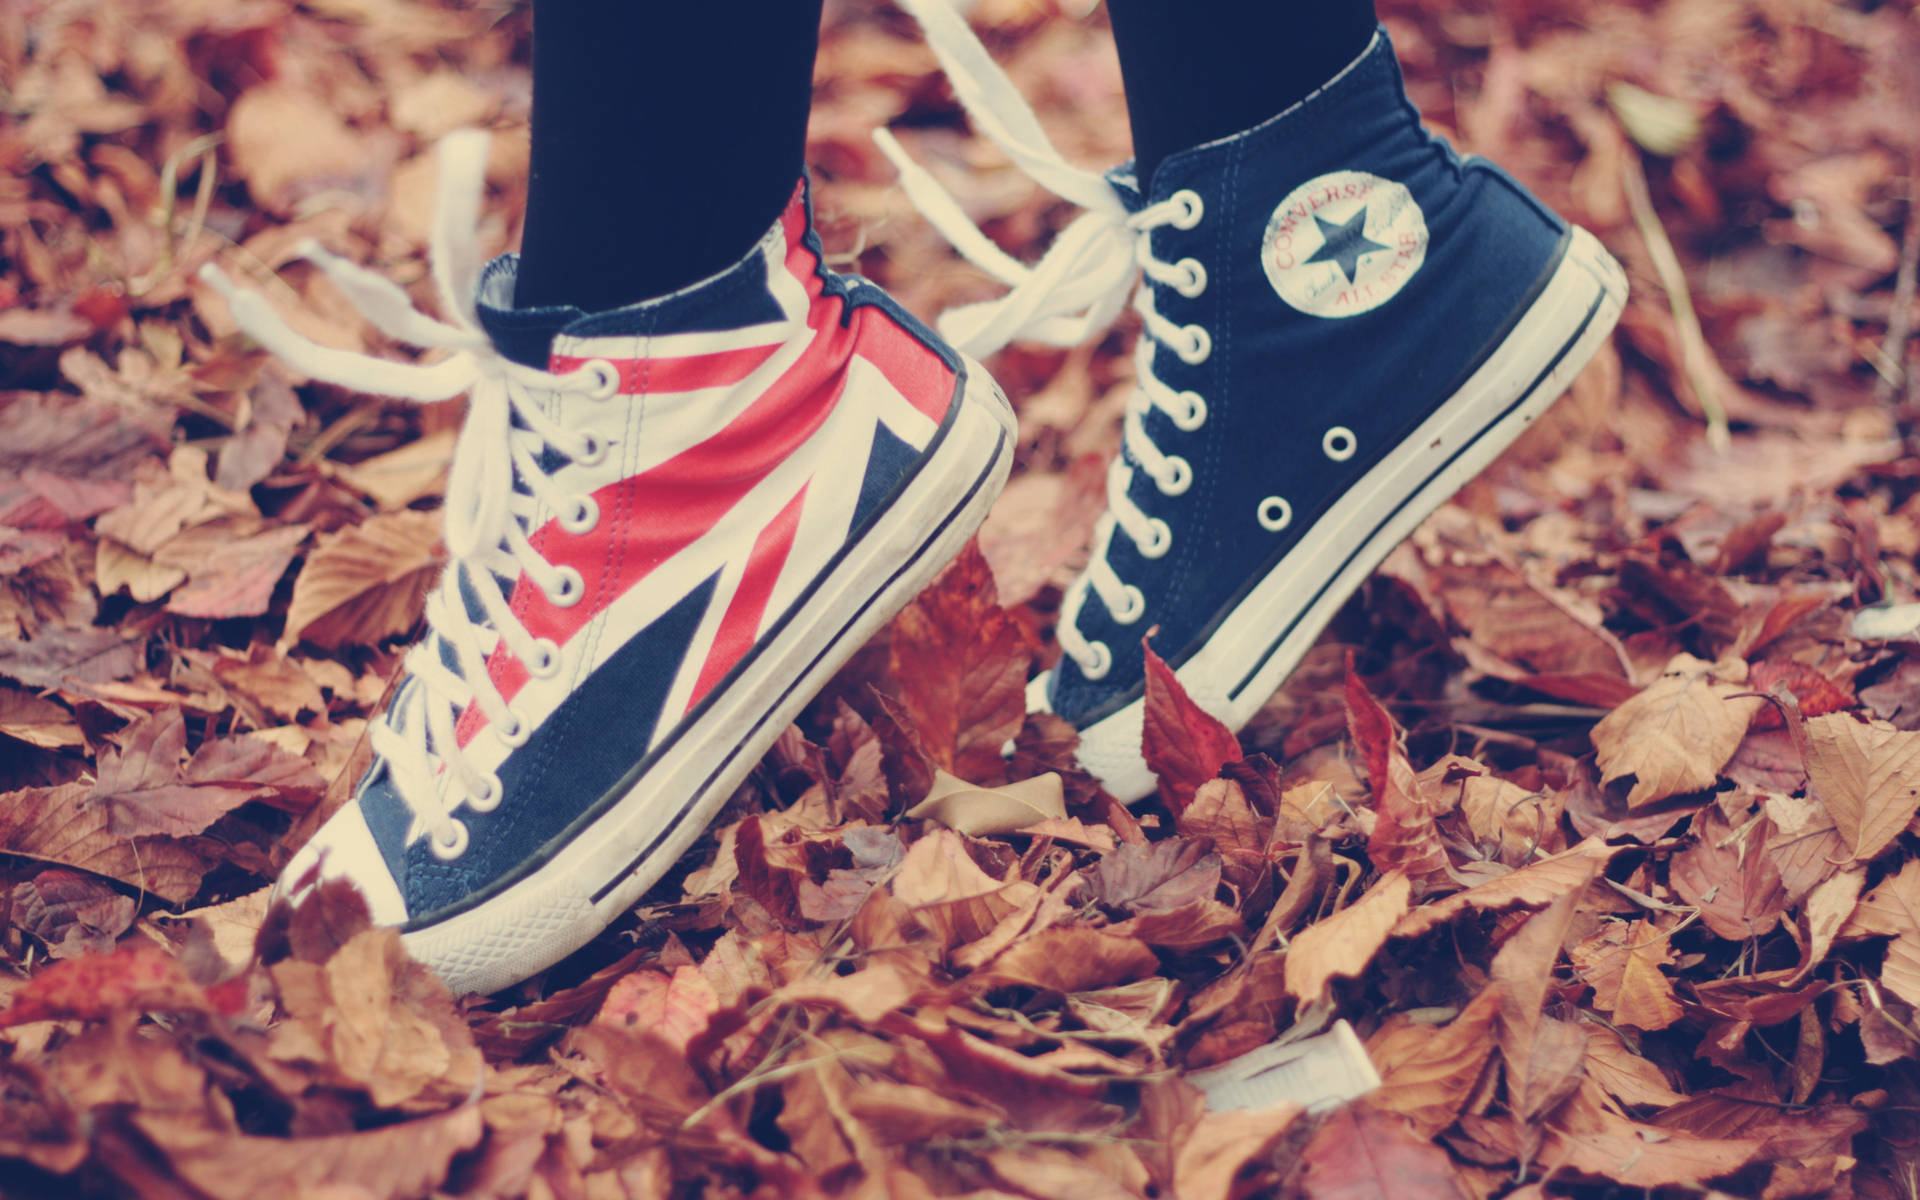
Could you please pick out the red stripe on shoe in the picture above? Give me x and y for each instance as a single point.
(738, 627)
(688, 373)
(908, 363)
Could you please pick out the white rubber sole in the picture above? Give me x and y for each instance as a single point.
(606, 868)
(1259, 643)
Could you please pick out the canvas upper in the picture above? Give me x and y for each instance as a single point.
(1356, 272)
(750, 427)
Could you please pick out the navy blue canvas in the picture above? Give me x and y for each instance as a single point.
(1279, 377)
(593, 739)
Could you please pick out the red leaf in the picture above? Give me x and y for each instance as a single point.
(1404, 835)
(143, 788)
(1183, 743)
(959, 666)
(1365, 1154)
(137, 977)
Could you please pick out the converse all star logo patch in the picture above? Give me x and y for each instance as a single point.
(1344, 243)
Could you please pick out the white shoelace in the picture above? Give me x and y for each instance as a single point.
(1074, 293)
(487, 517)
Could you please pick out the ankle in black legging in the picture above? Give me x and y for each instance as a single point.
(667, 136)
(666, 139)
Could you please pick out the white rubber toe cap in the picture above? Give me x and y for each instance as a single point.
(344, 849)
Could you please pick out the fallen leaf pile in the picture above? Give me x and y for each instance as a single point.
(1596, 813)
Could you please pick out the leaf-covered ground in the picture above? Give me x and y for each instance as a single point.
(1595, 813)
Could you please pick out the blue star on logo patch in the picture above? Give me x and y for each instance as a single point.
(1345, 244)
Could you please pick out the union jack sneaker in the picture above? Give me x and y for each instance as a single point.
(667, 525)
(1343, 323)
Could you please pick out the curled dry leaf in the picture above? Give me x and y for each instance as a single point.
(978, 811)
(1675, 735)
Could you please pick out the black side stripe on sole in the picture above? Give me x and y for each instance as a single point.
(1366, 543)
(733, 752)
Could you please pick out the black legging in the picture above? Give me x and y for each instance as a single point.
(667, 136)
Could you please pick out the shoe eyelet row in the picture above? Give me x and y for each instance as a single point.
(1179, 476)
(1339, 443)
(1101, 664)
(1195, 414)
(581, 515)
(605, 379)
(489, 798)
(1275, 514)
(593, 450)
(1192, 208)
(1161, 541)
(571, 588)
(515, 735)
(545, 663)
(1195, 280)
(454, 847)
(1199, 345)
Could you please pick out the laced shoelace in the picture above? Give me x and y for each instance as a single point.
(1074, 293)
(502, 443)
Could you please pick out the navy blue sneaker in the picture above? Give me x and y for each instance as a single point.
(667, 525)
(1344, 322)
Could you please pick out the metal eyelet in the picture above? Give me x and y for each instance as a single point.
(606, 379)
(1195, 415)
(1275, 514)
(581, 516)
(515, 735)
(1160, 543)
(1101, 664)
(1199, 345)
(449, 850)
(1192, 208)
(592, 450)
(1135, 609)
(490, 799)
(1339, 443)
(1196, 280)
(1181, 472)
(546, 664)
(572, 587)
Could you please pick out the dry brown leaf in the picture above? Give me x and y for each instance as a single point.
(1209, 1159)
(1893, 909)
(1675, 735)
(286, 142)
(1625, 1075)
(28, 718)
(367, 582)
(405, 474)
(1534, 885)
(60, 825)
(390, 1163)
(1621, 962)
(1364, 1153)
(1344, 943)
(1867, 773)
(981, 812)
(1729, 877)
(1427, 1075)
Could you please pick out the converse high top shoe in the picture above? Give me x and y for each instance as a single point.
(1344, 322)
(668, 525)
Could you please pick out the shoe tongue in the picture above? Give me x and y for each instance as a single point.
(524, 335)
